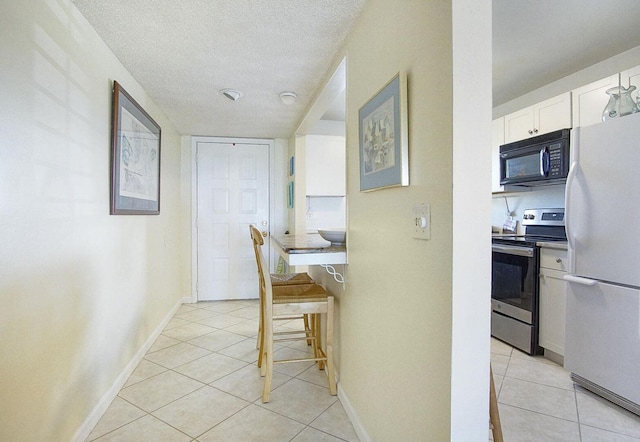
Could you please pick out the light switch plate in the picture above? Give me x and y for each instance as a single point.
(421, 222)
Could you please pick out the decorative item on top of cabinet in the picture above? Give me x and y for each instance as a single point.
(541, 118)
(620, 102)
(325, 165)
(631, 77)
(553, 300)
(588, 101)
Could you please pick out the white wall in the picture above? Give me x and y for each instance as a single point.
(470, 348)
(81, 292)
(328, 212)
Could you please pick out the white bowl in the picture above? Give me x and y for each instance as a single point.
(335, 236)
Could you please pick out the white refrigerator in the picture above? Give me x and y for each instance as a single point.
(602, 347)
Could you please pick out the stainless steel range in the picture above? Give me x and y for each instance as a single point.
(514, 278)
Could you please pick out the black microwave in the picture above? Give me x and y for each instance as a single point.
(536, 161)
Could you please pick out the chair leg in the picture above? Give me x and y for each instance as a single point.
(307, 328)
(316, 327)
(494, 414)
(267, 367)
(260, 321)
(261, 348)
(329, 343)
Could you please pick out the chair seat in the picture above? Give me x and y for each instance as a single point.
(278, 279)
(299, 293)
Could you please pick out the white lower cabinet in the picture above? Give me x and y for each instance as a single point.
(553, 299)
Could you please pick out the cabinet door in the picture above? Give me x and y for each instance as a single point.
(554, 259)
(518, 125)
(325, 165)
(553, 308)
(497, 139)
(553, 114)
(631, 77)
(541, 118)
(589, 101)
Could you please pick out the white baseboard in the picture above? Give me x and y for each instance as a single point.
(103, 404)
(353, 416)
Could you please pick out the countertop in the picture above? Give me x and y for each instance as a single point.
(309, 249)
(308, 243)
(558, 245)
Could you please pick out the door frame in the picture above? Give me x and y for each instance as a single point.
(278, 150)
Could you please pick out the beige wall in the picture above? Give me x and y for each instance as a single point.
(80, 291)
(408, 316)
(396, 311)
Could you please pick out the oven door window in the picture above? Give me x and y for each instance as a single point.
(514, 280)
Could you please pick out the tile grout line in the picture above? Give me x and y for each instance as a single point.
(305, 425)
(247, 403)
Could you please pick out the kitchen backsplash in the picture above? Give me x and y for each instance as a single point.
(325, 212)
(537, 198)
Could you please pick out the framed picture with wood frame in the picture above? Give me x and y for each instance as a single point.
(135, 157)
(384, 145)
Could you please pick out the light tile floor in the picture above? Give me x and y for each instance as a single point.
(539, 402)
(199, 382)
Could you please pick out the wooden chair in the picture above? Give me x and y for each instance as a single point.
(283, 302)
(494, 414)
(278, 280)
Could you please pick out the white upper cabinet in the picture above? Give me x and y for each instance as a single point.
(589, 101)
(631, 77)
(547, 116)
(325, 165)
(497, 139)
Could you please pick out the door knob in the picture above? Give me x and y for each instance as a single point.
(264, 233)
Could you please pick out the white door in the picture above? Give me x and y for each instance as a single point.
(232, 192)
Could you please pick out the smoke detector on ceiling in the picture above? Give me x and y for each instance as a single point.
(288, 97)
(231, 94)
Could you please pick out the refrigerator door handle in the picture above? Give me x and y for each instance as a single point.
(573, 170)
(580, 280)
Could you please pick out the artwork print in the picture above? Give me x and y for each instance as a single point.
(139, 159)
(135, 158)
(378, 139)
(384, 151)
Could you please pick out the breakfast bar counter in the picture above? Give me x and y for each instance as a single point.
(308, 249)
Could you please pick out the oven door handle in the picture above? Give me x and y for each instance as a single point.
(513, 250)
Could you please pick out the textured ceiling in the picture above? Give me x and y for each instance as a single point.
(538, 42)
(183, 52)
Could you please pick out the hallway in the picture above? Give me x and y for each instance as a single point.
(199, 381)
